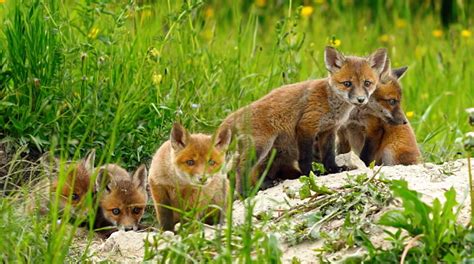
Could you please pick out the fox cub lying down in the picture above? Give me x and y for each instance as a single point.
(72, 190)
(289, 118)
(121, 196)
(186, 173)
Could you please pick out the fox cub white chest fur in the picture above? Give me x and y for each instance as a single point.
(187, 174)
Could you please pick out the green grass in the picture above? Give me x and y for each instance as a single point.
(76, 75)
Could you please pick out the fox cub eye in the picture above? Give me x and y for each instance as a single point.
(212, 162)
(116, 211)
(190, 162)
(136, 210)
(75, 197)
(367, 83)
(347, 84)
(392, 101)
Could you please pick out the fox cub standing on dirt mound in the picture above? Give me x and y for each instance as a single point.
(289, 118)
(380, 130)
(187, 172)
(122, 197)
(72, 190)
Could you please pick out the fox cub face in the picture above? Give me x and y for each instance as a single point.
(385, 102)
(76, 184)
(197, 157)
(352, 78)
(122, 196)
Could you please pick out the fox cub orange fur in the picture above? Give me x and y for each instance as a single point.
(187, 173)
(380, 131)
(289, 118)
(72, 190)
(122, 197)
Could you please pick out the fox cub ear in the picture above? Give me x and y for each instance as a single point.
(179, 137)
(50, 165)
(223, 138)
(88, 161)
(377, 60)
(139, 177)
(333, 59)
(103, 179)
(387, 70)
(399, 72)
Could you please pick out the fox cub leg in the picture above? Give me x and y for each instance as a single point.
(305, 150)
(327, 143)
(248, 172)
(163, 213)
(215, 214)
(368, 153)
(286, 163)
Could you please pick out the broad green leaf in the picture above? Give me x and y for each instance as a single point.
(395, 218)
(304, 192)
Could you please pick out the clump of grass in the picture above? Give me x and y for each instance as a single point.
(432, 233)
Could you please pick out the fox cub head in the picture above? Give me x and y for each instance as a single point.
(385, 102)
(353, 78)
(74, 188)
(122, 197)
(197, 157)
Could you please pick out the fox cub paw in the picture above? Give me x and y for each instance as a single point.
(336, 169)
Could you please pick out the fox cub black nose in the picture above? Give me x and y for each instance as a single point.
(405, 122)
(361, 99)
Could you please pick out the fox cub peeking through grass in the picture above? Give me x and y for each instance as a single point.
(380, 131)
(70, 191)
(122, 197)
(289, 118)
(188, 173)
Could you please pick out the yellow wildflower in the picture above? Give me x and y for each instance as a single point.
(384, 38)
(437, 33)
(410, 114)
(146, 13)
(261, 3)
(93, 33)
(155, 53)
(400, 23)
(207, 34)
(209, 12)
(156, 78)
(2, 1)
(466, 33)
(307, 11)
(335, 42)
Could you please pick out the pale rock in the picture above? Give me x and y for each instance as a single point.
(350, 160)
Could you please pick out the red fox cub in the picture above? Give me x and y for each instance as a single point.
(71, 191)
(122, 197)
(380, 130)
(186, 173)
(289, 118)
